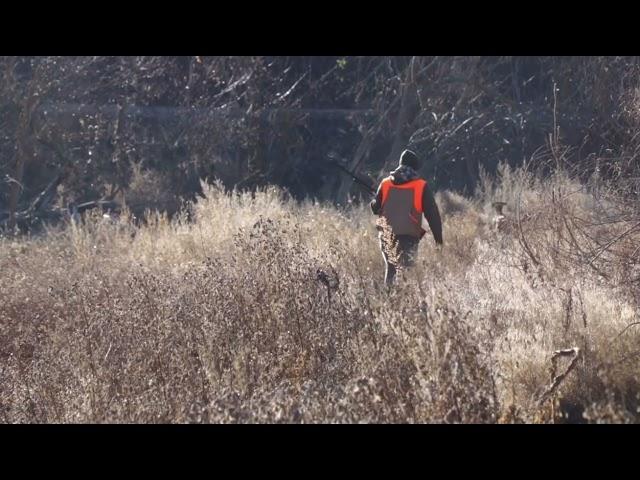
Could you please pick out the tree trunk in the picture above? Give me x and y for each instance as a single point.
(24, 149)
(408, 99)
(409, 104)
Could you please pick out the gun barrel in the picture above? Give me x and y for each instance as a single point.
(356, 178)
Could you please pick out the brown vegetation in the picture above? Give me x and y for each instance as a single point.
(263, 309)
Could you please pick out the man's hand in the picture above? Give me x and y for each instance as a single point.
(375, 206)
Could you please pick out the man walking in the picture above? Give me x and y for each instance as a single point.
(401, 201)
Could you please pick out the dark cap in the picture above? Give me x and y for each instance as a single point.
(410, 159)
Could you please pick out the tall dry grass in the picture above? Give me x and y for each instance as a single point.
(255, 308)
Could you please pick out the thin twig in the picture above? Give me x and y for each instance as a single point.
(556, 380)
(619, 237)
(626, 328)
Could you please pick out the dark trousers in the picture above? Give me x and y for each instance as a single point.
(399, 252)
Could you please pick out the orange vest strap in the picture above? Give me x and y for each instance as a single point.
(416, 185)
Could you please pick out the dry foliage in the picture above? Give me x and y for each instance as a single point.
(256, 308)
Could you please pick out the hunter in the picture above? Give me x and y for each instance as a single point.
(402, 199)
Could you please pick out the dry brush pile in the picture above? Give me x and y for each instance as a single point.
(257, 308)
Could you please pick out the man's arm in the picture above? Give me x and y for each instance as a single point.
(432, 214)
(376, 203)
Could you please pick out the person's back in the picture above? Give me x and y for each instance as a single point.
(401, 201)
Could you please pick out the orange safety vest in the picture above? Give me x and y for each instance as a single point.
(406, 216)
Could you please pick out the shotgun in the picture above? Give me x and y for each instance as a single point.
(363, 183)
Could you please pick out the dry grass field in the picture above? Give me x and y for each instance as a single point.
(257, 308)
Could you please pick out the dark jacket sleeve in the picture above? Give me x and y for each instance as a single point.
(376, 203)
(432, 214)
